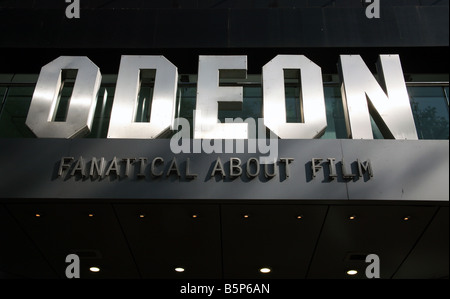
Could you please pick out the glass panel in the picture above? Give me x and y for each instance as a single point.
(186, 101)
(336, 128)
(251, 106)
(430, 111)
(253, 103)
(446, 94)
(63, 102)
(375, 130)
(14, 112)
(2, 95)
(102, 115)
(429, 105)
(143, 109)
(293, 109)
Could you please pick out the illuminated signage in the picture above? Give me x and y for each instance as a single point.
(362, 96)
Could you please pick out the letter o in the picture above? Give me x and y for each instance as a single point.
(80, 113)
(251, 174)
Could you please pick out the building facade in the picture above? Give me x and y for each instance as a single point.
(328, 141)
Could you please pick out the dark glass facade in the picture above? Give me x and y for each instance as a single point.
(307, 220)
(429, 105)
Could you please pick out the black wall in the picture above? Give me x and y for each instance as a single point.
(36, 32)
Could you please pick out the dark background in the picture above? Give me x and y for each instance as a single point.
(36, 32)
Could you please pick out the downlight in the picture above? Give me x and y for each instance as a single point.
(265, 270)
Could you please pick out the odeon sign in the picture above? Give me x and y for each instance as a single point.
(362, 97)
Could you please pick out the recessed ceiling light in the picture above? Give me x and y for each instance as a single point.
(91, 215)
(406, 218)
(179, 269)
(352, 217)
(141, 216)
(94, 269)
(300, 217)
(195, 216)
(265, 270)
(352, 272)
(37, 215)
(246, 216)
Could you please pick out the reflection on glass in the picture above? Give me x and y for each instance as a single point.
(14, 112)
(336, 128)
(144, 102)
(63, 102)
(293, 108)
(430, 111)
(429, 106)
(186, 101)
(100, 123)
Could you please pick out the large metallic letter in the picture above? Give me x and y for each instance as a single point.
(46, 96)
(362, 96)
(122, 123)
(210, 95)
(311, 99)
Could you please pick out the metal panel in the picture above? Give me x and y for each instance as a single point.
(266, 27)
(311, 100)
(47, 184)
(164, 237)
(62, 229)
(394, 164)
(402, 170)
(19, 257)
(118, 28)
(380, 230)
(362, 96)
(82, 103)
(210, 94)
(281, 238)
(223, 240)
(191, 28)
(430, 256)
(400, 26)
(123, 113)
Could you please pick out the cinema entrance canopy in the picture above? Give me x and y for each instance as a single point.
(142, 206)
